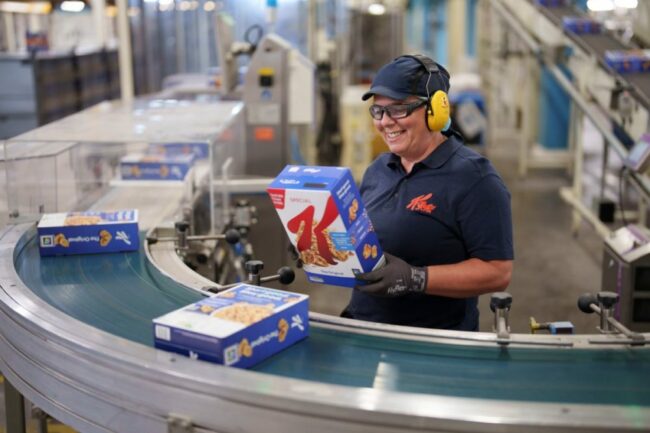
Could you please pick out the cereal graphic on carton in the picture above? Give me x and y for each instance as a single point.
(245, 348)
(283, 328)
(292, 300)
(206, 309)
(82, 220)
(60, 239)
(352, 211)
(313, 240)
(369, 251)
(104, 237)
(245, 313)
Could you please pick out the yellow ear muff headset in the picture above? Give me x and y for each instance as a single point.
(438, 112)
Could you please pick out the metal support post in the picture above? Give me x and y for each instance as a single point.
(125, 60)
(576, 120)
(493, 95)
(606, 302)
(603, 305)
(41, 419)
(14, 409)
(254, 267)
(500, 303)
(526, 121)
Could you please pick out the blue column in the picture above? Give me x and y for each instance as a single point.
(426, 28)
(554, 112)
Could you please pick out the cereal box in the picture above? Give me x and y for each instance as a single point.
(88, 232)
(156, 167)
(238, 327)
(551, 3)
(580, 25)
(628, 61)
(198, 149)
(322, 212)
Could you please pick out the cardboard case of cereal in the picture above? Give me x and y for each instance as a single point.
(238, 327)
(325, 219)
(88, 232)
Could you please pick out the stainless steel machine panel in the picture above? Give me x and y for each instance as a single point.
(626, 271)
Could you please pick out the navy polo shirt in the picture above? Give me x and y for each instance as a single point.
(451, 207)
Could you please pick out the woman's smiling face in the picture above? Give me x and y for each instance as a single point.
(409, 137)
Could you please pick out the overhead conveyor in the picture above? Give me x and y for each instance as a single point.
(598, 45)
(530, 37)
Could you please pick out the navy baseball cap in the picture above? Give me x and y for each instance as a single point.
(406, 76)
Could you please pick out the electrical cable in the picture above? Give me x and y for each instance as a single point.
(328, 140)
(621, 196)
(247, 36)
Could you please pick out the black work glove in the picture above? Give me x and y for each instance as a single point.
(395, 278)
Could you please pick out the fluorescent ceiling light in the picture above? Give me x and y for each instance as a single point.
(72, 6)
(376, 9)
(600, 5)
(626, 4)
(25, 8)
(188, 5)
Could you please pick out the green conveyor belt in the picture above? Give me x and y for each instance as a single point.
(122, 293)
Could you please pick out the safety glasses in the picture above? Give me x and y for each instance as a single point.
(395, 111)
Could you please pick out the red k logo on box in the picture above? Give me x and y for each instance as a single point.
(303, 225)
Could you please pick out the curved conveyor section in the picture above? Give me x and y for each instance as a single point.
(76, 338)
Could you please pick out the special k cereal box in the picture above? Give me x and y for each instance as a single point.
(238, 327)
(322, 212)
(88, 232)
(156, 167)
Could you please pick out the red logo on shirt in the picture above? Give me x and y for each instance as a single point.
(419, 204)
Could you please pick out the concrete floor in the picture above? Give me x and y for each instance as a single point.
(552, 267)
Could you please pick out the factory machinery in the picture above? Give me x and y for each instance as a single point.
(528, 36)
(76, 333)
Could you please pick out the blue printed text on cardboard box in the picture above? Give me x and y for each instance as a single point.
(88, 232)
(238, 327)
(325, 219)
